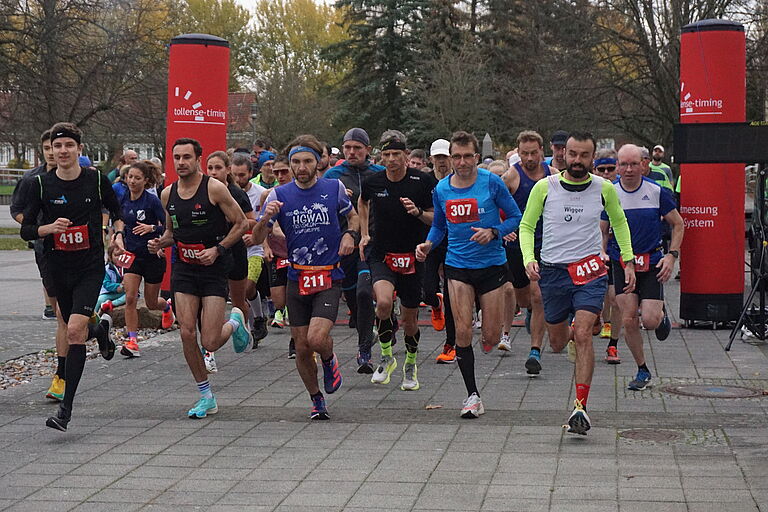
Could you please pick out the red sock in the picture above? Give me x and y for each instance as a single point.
(582, 393)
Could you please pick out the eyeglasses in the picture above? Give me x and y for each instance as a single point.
(623, 165)
(466, 156)
(609, 168)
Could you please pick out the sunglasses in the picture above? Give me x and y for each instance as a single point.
(609, 168)
(281, 171)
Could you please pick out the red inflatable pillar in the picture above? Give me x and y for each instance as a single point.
(198, 86)
(712, 90)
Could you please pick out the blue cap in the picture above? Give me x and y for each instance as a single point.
(264, 157)
(85, 161)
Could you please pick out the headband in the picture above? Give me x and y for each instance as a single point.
(64, 132)
(393, 145)
(605, 161)
(302, 149)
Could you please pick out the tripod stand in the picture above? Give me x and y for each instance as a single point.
(756, 320)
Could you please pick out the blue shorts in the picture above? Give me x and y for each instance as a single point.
(562, 297)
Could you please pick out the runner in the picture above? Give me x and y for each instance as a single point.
(442, 316)
(401, 198)
(308, 212)
(143, 216)
(70, 199)
(571, 274)
(199, 213)
(357, 285)
(557, 145)
(520, 179)
(467, 205)
(645, 203)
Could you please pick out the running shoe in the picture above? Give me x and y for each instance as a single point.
(167, 318)
(504, 343)
(578, 421)
(528, 315)
(241, 338)
(56, 391)
(292, 349)
(438, 319)
(533, 363)
(642, 381)
(331, 375)
(571, 350)
(410, 379)
(472, 407)
(664, 328)
(60, 421)
(259, 331)
(485, 346)
(203, 408)
(364, 364)
(130, 348)
(106, 307)
(210, 361)
(605, 332)
(106, 346)
(597, 326)
(396, 306)
(49, 313)
(612, 355)
(447, 356)
(478, 323)
(319, 411)
(278, 321)
(384, 370)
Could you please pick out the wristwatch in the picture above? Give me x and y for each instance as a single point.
(222, 250)
(495, 233)
(676, 254)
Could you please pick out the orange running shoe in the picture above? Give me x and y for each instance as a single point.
(612, 355)
(606, 331)
(167, 320)
(447, 356)
(131, 348)
(597, 326)
(438, 318)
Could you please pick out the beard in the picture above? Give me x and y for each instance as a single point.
(578, 171)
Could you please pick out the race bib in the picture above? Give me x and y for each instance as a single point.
(587, 269)
(75, 238)
(458, 211)
(314, 281)
(125, 260)
(642, 262)
(188, 252)
(281, 263)
(401, 262)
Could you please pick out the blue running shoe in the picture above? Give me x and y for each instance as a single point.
(364, 364)
(319, 412)
(642, 381)
(331, 375)
(241, 338)
(533, 363)
(203, 408)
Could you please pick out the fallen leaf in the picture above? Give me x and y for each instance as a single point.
(429, 407)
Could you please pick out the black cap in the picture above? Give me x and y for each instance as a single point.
(359, 135)
(559, 137)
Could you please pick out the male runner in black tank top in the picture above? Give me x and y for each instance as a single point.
(198, 209)
(70, 199)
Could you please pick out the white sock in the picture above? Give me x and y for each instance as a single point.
(256, 306)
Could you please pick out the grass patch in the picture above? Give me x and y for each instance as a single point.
(10, 231)
(6, 190)
(13, 244)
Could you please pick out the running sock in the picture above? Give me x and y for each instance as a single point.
(613, 342)
(166, 307)
(131, 334)
(72, 373)
(643, 367)
(205, 389)
(385, 335)
(256, 306)
(61, 364)
(466, 359)
(364, 310)
(316, 395)
(412, 347)
(582, 393)
(234, 323)
(535, 352)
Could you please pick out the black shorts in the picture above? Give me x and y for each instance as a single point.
(45, 273)
(647, 285)
(239, 269)
(200, 280)
(151, 268)
(407, 286)
(77, 291)
(515, 267)
(277, 276)
(303, 308)
(483, 280)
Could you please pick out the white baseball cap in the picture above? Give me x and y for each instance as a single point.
(440, 147)
(658, 146)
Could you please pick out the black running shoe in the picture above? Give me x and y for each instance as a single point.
(292, 349)
(60, 421)
(106, 345)
(664, 328)
(259, 331)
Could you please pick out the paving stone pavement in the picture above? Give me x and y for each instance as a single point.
(131, 447)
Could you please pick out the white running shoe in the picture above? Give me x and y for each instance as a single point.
(410, 379)
(384, 371)
(504, 343)
(210, 362)
(472, 407)
(571, 349)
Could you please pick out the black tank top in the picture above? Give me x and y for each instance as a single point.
(196, 220)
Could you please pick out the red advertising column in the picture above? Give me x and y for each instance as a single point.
(198, 85)
(712, 90)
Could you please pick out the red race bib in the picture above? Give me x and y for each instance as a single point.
(281, 263)
(75, 238)
(462, 210)
(401, 262)
(642, 262)
(125, 260)
(188, 252)
(314, 281)
(587, 269)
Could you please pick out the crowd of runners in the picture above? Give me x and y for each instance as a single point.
(580, 244)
